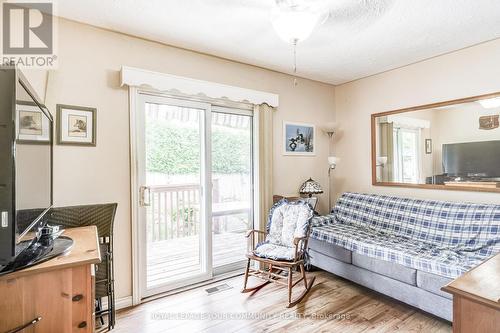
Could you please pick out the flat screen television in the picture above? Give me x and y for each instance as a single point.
(26, 127)
(472, 159)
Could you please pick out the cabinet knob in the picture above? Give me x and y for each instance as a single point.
(83, 324)
(77, 298)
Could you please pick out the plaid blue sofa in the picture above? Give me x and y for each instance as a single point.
(420, 243)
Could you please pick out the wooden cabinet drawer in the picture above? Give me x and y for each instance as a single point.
(62, 298)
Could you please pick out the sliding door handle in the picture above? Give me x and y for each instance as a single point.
(144, 196)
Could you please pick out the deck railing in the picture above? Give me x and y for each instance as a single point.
(175, 212)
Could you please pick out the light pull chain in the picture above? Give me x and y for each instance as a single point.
(295, 62)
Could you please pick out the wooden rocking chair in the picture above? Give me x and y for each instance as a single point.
(283, 250)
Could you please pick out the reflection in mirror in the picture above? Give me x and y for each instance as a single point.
(445, 144)
(33, 155)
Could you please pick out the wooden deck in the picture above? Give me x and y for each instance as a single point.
(178, 258)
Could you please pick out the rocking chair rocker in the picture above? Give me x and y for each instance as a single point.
(283, 250)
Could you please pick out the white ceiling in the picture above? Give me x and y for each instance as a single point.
(361, 38)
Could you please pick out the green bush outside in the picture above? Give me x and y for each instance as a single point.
(175, 150)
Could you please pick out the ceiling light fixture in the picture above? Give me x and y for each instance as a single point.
(490, 103)
(295, 20)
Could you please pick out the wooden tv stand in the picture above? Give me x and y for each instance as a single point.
(59, 291)
(474, 184)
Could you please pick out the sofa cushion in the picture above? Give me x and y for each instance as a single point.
(330, 250)
(387, 268)
(427, 301)
(454, 226)
(433, 283)
(401, 250)
(319, 220)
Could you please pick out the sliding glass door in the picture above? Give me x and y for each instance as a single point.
(173, 155)
(407, 162)
(232, 179)
(194, 170)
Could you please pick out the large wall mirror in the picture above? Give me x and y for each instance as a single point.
(450, 145)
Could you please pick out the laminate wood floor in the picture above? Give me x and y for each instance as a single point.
(333, 305)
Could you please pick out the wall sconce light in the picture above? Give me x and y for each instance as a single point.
(381, 161)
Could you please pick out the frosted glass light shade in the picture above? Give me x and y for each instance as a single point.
(294, 24)
(333, 160)
(490, 103)
(329, 127)
(382, 160)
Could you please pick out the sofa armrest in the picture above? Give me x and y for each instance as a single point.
(318, 221)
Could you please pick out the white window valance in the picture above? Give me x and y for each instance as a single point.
(136, 77)
(406, 122)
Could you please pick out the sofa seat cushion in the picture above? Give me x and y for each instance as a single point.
(390, 269)
(333, 251)
(398, 249)
(275, 252)
(433, 283)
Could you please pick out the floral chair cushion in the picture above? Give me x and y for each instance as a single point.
(275, 252)
(287, 220)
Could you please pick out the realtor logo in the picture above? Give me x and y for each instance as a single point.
(27, 28)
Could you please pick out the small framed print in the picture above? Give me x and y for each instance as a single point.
(428, 146)
(76, 125)
(298, 139)
(32, 125)
(488, 122)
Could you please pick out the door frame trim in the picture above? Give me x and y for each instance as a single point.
(134, 198)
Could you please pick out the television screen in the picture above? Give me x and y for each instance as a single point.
(473, 159)
(33, 158)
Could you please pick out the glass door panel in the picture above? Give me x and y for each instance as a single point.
(232, 190)
(173, 167)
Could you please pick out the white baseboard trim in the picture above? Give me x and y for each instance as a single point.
(120, 303)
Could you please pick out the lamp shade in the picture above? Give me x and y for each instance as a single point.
(333, 160)
(310, 187)
(382, 160)
(329, 127)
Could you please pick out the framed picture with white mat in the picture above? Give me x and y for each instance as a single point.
(76, 125)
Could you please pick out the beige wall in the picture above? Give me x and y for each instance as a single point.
(465, 120)
(469, 72)
(88, 75)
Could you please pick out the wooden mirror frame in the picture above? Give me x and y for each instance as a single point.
(418, 108)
